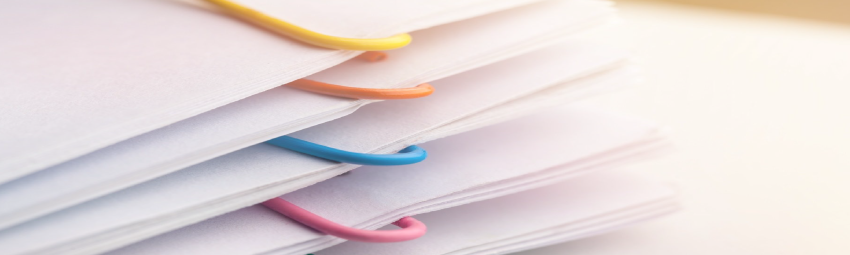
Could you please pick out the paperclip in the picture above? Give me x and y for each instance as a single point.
(311, 37)
(421, 90)
(372, 56)
(410, 227)
(410, 155)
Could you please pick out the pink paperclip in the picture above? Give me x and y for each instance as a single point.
(410, 227)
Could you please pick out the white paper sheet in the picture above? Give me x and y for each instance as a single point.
(260, 172)
(469, 44)
(585, 206)
(494, 161)
(79, 76)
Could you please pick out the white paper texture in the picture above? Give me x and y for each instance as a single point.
(489, 162)
(588, 205)
(436, 53)
(79, 76)
(260, 172)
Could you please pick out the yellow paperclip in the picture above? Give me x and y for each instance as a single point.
(310, 37)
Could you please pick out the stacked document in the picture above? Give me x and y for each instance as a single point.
(296, 127)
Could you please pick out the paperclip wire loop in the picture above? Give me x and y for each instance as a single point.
(420, 90)
(310, 37)
(372, 56)
(410, 155)
(410, 227)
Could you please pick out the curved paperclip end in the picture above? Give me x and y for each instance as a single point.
(410, 227)
(372, 56)
(420, 90)
(371, 44)
(309, 36)
(410, 155)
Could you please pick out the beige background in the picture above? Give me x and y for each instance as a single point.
(760, 107)
(827, 10)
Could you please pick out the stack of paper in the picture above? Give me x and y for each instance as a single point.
(138, 127)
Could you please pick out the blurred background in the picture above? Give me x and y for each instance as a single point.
(825, 10)
(757, 95)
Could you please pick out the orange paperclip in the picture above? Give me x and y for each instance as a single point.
(420, 90)
(372, 56)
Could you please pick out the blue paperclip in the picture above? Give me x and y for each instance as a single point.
(410, 155)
